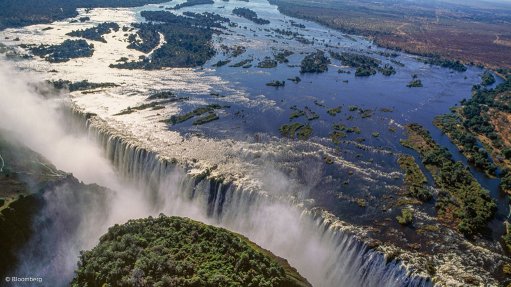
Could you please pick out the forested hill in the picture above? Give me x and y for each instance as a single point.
(174, 251)
(17, 13)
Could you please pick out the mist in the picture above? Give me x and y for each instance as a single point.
(72, 221)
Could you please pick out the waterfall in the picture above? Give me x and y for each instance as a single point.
(322, 252)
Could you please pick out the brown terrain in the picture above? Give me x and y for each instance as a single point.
(472, 34)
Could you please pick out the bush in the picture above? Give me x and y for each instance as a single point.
(406, 217)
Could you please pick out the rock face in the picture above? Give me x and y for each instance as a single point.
(175, 251)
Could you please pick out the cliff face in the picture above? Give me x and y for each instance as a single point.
(25, 180)
(179, 251)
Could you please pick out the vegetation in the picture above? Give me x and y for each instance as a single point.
(96, 33)
(296, 130)
(415, 181)
(221, 63)
(209, 117)
(506, 238)
(190, 3)
(79, 86)
(154, 106)
(187, 40)
(15, 13)
(415, 83)
(209, 109)
(69, 49)
(267, 63)
(276, 83)
(295, 79)
(243, 63)
(334, 111)
(467, 143)
(281, 57)
(315, 63)
(173, 251)
(336, 136)
(487, 115)
(406, 217)
(487, 79)
(250, 15)
(445, 63)
(365, 66)
(461, 200)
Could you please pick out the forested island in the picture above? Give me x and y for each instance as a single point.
(187, 40)
(314, 63)
(250, 15)
(69, 49)
(174, 251)
(96, 33)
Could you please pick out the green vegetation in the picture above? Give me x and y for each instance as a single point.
(69, 49)
(387, 70)
(173, 251)
(406, 217)
(154, 106)
(506, 239)
(365, 66)
(364, 72)
(336, 136)
(276, 83)
(445, 63)
(187, 40)
(242, 63)
(334, 111)
(487, 79)
(295, 79)
(211, 116)
(221, 63)
(315, 63)
(250, 15)
(96, 33)
(296, 130)
(176, 119)
(281, 57)
(267, 63)
(467, 143)
(190, 3)
(415, 181)
(461, 201)
(353, 130)
(487, 115)
(79, 86)
(375, 134)
(415, 83)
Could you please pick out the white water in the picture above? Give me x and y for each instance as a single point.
(145, 185)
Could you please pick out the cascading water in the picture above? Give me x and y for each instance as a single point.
(325, 255)
(146, 185)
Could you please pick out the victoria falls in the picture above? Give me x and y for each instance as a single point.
(255, 143)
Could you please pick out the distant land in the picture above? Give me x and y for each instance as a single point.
(12, 14)
(471, 32)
